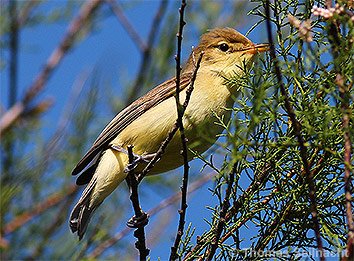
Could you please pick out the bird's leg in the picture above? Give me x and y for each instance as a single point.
(140, 219)
(138, 222)
(137, 158)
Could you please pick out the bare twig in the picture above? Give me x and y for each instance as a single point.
(297, 131)
(184, 187)
(258, 181)
(146, 59)
(53, 226)
(174, 129)
(145, 48)
(139, 233)
(328, 4)
(52, 145)
(281, 217)
(172, 132)
(236, 228)
(162, 205)
(13, 52)
(8, 158)
(23, 16)
(56, 198)
(66, 115)
(224, 208)
(345, 96)
(347, 187)
(118, 11)
(17, 110)
(347, 165)
(51, 201)
(39, 108)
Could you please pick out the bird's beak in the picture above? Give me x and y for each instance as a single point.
(257, 48)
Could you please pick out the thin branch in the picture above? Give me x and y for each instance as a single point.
(162, 205)
(51, 201)
(39, 108)
(174, 129)
(8, 145)
(224, 208)
(281, 217)
(13, 52)
(139, 233)
(53, 226)
(328, 4)
(184, 187)
(146, 59)
(258, 181)
(145, 48)
(347, 187)
(255, 186)
(17, 110)
(129, 28)
(297, 131)
(23, 16)
(345, 94)
(234, 230)
(66, 115)
(52, 145)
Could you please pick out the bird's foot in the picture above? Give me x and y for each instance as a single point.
(138, 222)
(137, 158)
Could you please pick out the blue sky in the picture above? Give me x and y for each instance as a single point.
(111, 50)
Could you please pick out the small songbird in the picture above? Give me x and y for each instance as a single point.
(146, 122)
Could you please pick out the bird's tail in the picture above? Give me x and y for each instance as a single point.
(107, 176)
(82, 212)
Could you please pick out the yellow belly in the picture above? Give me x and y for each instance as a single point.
(148, 131)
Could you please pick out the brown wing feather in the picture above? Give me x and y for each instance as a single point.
(129, 114)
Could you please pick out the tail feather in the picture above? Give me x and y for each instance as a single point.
(106, 175)
(82, 212)
(87, 174)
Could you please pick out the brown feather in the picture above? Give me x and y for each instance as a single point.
(129, 114)
(82, 212)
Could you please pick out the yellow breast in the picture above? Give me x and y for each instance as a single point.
(209, 98)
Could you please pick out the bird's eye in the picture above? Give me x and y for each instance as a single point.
(224, 47)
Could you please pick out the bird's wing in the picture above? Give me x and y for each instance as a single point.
(129, 114)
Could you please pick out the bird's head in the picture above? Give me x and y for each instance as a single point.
(225, 50)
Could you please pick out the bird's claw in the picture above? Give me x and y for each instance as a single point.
(138, 222)
(137, 158)
(130, 166)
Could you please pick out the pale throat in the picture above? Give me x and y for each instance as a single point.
(233, 65)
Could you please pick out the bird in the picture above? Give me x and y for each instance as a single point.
(145, 123)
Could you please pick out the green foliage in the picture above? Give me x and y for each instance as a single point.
(270, 205)
(262, 142)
